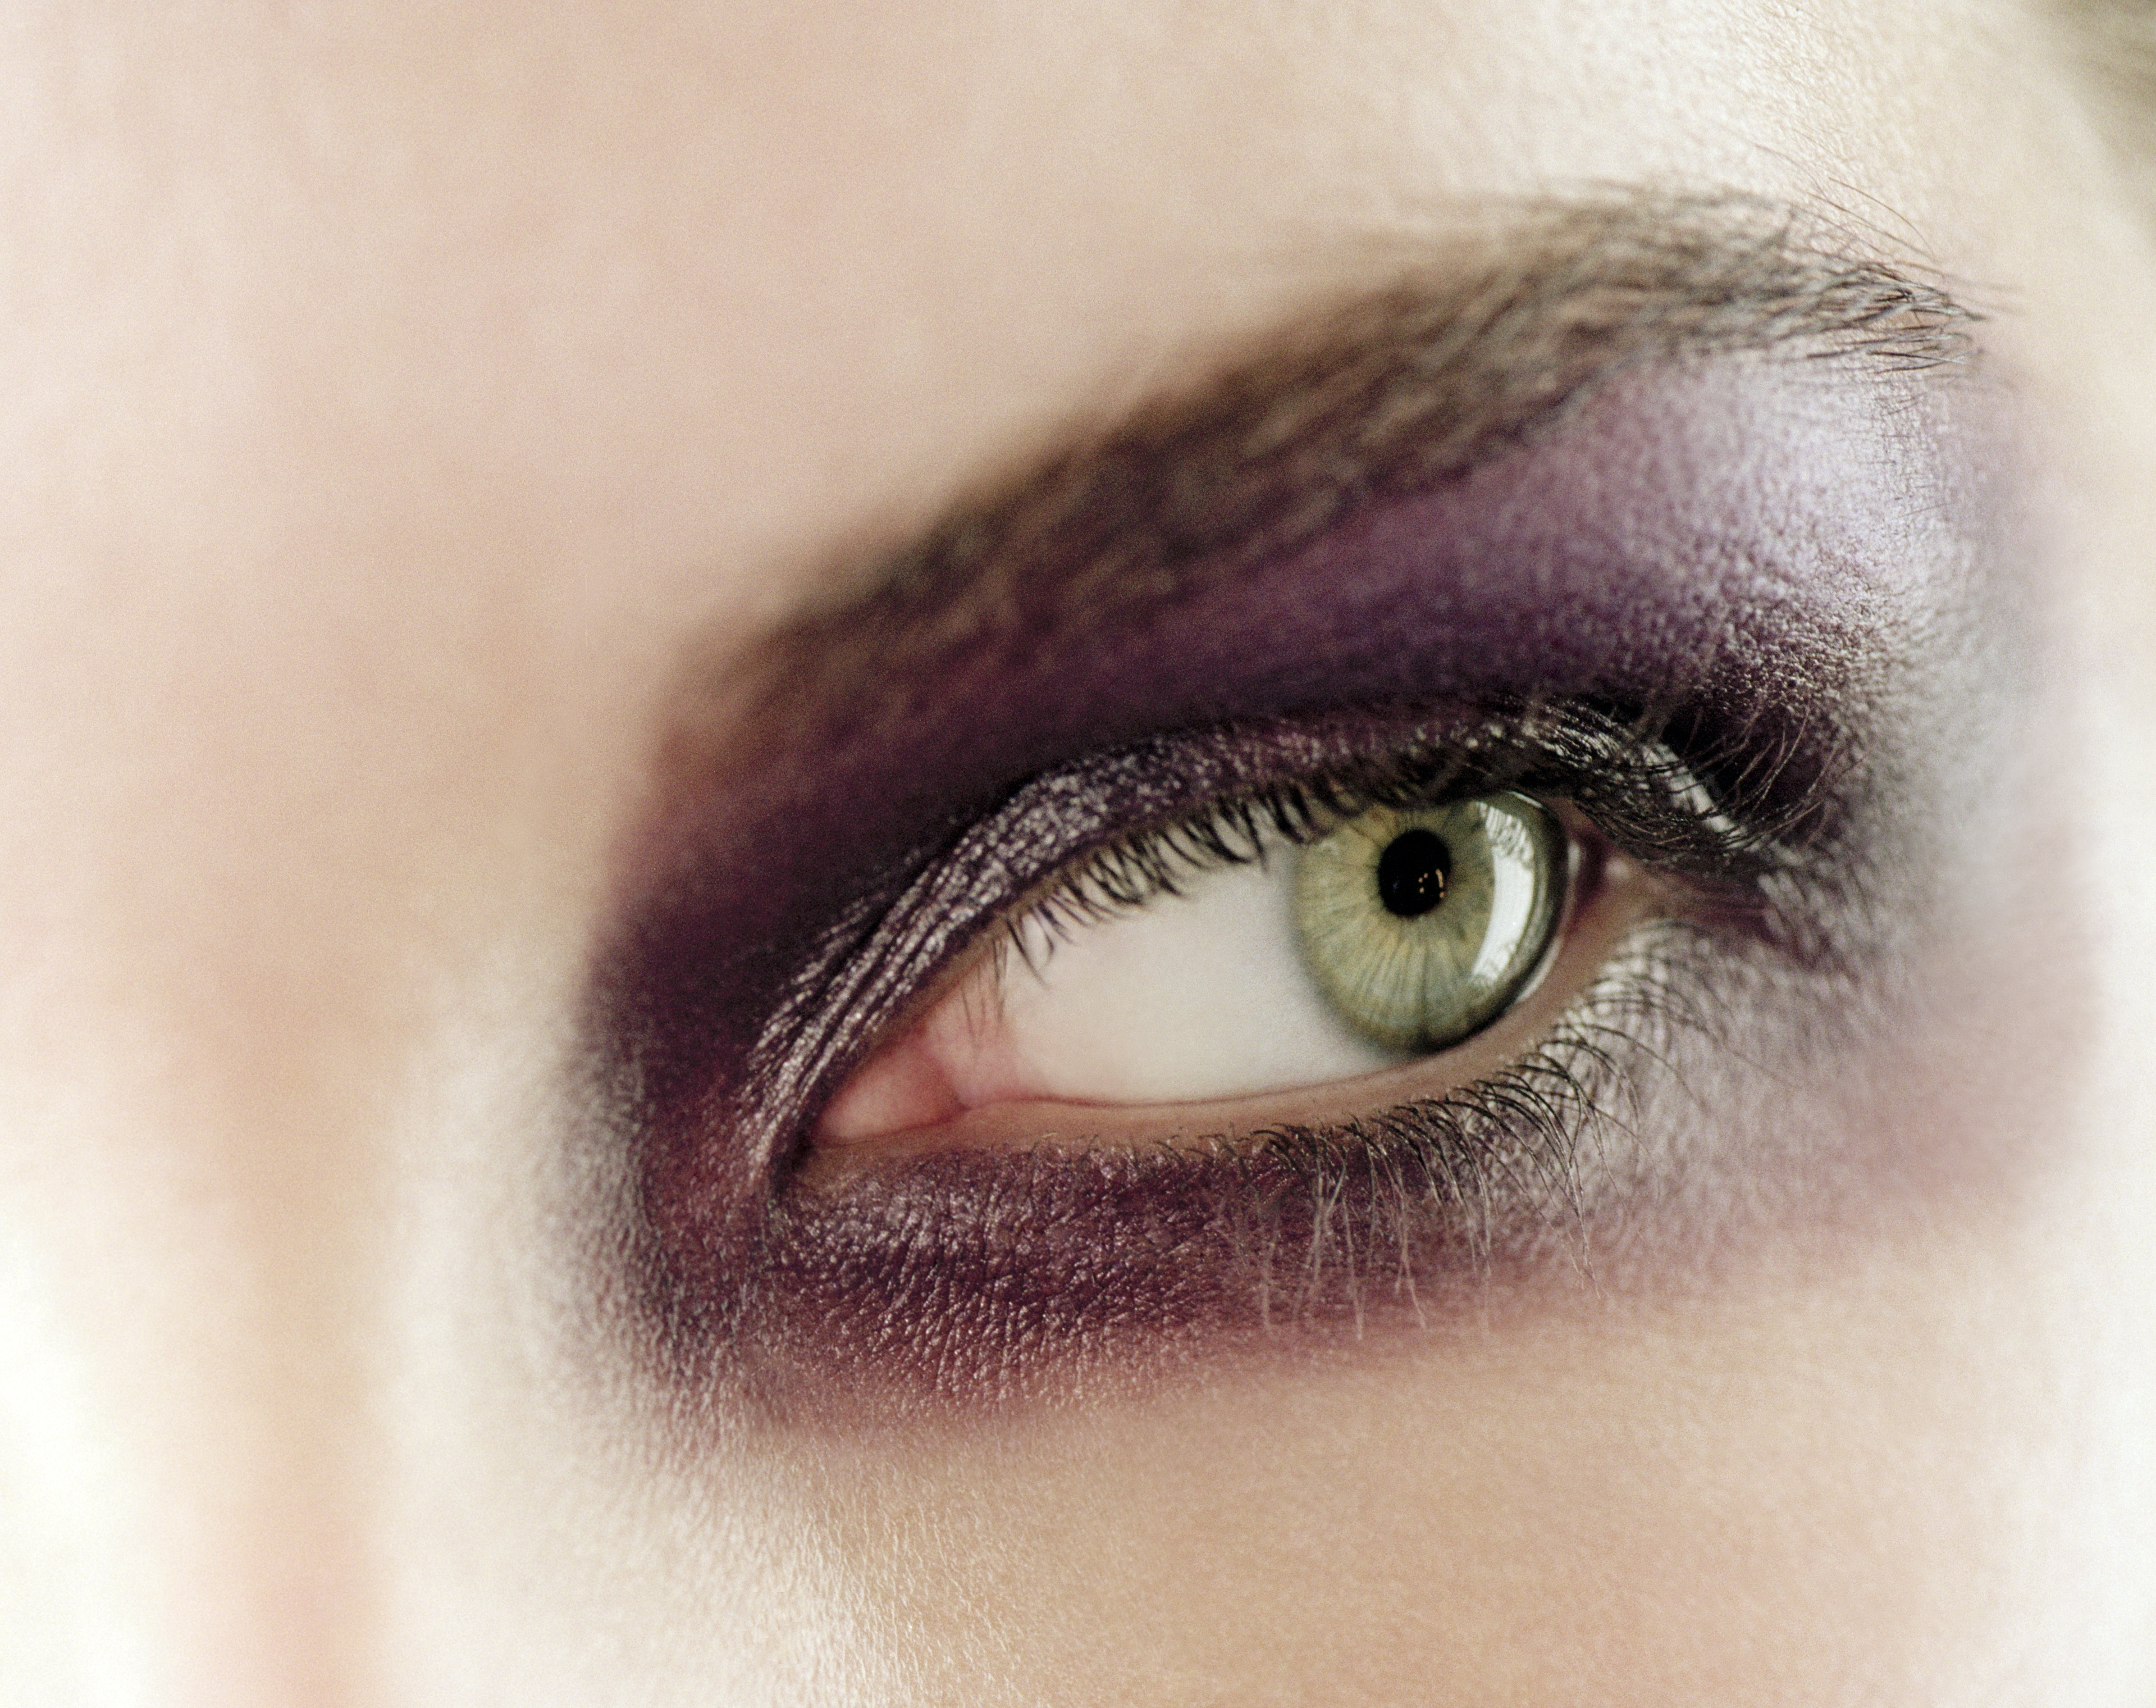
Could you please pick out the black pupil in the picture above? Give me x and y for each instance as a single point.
(1412, 871)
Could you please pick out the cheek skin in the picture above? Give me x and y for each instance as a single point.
(1810, 1474)
(1778, 1498)
(1811, 1467)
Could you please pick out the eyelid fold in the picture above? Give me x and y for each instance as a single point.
(1769, 574)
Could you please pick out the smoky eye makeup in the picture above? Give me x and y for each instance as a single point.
(1711, 627)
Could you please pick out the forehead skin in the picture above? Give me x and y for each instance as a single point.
(397, 396)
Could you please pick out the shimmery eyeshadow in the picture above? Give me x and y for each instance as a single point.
(1792, 565)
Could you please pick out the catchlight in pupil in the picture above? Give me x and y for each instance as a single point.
(1411, 873)
(1421, 925)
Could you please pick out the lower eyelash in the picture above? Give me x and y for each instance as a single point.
(960, 1278)
(956, 1278)
(1514, 1160)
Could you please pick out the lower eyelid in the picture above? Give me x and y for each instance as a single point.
(1650, 1095)
(900, 1284)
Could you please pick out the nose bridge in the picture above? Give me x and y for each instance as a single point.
(184, 1492)
(236, 909)
(214, 960)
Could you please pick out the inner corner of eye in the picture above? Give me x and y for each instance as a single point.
(1399, 934)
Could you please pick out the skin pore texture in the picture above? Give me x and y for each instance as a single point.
(488, 591)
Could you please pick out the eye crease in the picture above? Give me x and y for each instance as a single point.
(1712, 686)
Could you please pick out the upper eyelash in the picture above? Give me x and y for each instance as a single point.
(1647, 796)
(1636, 787)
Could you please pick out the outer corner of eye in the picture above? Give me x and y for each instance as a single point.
(1398, 933)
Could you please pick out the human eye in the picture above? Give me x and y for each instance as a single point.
(1010, 1000)
(952, 1179)
(1641, 894)
(1342, 935)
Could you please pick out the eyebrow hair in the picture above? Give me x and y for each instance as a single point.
(1374, 395)
(1042, 623)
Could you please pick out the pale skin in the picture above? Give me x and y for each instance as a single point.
(396, 399)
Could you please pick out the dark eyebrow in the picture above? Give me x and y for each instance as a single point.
(1371, 396)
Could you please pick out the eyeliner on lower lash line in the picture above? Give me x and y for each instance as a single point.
(1634, 563)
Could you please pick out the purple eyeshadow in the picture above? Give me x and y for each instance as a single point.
(1803, 572)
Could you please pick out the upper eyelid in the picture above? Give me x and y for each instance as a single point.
(1681, 543)
(1727, 838)
(1403, 387)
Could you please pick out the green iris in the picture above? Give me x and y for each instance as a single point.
(1422, 924)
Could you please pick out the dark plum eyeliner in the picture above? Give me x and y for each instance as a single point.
(1747, 558)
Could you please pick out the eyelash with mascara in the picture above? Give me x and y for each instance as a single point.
(1755, 669)
(1619, 779)
(956, 1276)
(1631, 784)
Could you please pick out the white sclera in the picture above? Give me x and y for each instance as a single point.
(1198, 996)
